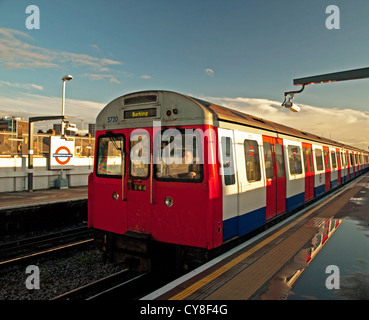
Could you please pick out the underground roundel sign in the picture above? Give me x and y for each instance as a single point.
(61, 153)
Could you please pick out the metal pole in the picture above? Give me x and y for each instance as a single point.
(30, 156)
(63, 109)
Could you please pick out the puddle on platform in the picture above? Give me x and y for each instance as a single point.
(281, 285)
(340, 242)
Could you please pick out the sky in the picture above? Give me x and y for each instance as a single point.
(243, 54)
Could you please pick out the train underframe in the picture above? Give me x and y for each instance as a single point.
(137, 251)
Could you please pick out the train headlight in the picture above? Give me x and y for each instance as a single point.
(115, 196)
(168, 201)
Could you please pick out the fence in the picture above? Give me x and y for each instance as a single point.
(17, 145)
(14, 162)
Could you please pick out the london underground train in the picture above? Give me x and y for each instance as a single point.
(173, 171)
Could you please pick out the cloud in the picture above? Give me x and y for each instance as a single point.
(99, 76)
(348, 126)
(27, 104)
(145, 76)
(210, 72)
(16, 52)
(114, 80)
(95, 46)
(27, 86)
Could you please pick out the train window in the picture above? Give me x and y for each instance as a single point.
(139, 155)
(319, 159)
(334, 163)
(326, 160)
(228, 162)
(351, 160)
(179, 158)
(109, 156)
(294, 158)
(310, 157)
(305, 159)
(252, 160)
(268, 155)
(338, 160)
(280, 160)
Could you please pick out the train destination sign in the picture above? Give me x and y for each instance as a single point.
(140, 113)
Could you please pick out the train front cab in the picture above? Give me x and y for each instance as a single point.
(135, 204)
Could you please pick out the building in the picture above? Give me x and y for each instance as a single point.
(57, 129)
(14, 124)
(92, 129)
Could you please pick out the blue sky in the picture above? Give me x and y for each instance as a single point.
(250, 49)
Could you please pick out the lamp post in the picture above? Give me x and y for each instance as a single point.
(65, 78)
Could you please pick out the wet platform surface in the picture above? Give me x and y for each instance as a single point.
(269, 265)
(14, 200)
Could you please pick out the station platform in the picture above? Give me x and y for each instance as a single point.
(245, 272)
(25, 199)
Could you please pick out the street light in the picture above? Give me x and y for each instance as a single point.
(65, 78)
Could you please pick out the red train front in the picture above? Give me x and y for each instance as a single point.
(152, 181)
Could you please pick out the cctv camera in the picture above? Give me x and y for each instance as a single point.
(291, 106)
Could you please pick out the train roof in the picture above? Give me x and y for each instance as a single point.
(140, 109)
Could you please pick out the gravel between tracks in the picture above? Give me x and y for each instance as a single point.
(57, 275)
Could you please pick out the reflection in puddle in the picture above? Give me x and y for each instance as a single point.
(349, 251)
(280, 286)
(355, 286)
(359, 201)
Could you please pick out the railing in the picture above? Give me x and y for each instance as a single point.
(13, 144)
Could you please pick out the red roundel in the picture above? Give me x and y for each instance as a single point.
(62, 162)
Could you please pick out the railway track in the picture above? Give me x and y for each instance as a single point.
(124, 285)
(23, 250)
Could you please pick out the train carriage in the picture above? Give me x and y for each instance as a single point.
(174, 170)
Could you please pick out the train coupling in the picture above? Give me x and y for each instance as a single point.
(132, 249)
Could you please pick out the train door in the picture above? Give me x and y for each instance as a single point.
(309, 171)
(339, 166)
(229, 182)
(139, 180)
(109, 187)
(275, 176)
(352, 165)
(348, 165)
(327, 165)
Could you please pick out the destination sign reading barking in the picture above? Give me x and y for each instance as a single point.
(140, 113)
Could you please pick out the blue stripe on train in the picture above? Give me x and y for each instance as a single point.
(244, 224)
(295, 201)
(319, 190)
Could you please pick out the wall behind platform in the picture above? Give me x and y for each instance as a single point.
(14, 173)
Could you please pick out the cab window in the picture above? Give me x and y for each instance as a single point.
(179, 156)
(139, 155)
(109, 156)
